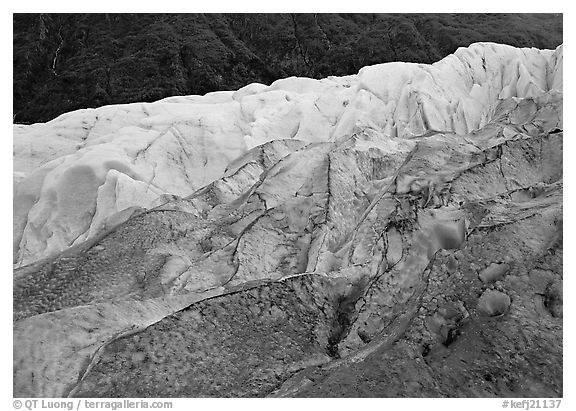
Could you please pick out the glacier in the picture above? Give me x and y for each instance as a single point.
(84, 171)
(282, 240)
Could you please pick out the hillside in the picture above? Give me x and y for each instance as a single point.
(68, 62)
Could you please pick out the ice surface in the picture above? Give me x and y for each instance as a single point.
(78, 170)
(356, 224)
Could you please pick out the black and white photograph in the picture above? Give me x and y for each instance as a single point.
(287, 205)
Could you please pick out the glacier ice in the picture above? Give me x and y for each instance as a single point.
(310, 223)
(72, 174)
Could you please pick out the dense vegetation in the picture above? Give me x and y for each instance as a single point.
(64, 62)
